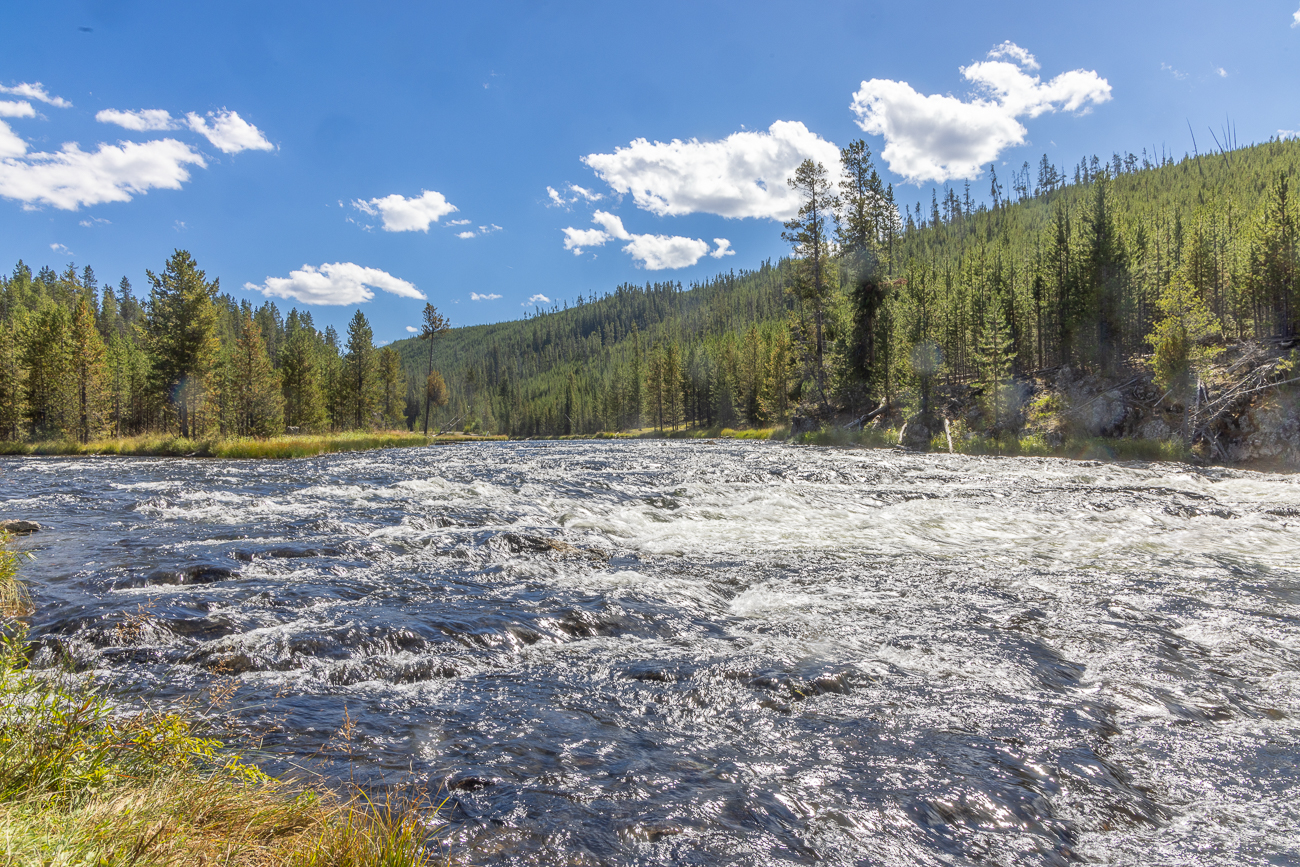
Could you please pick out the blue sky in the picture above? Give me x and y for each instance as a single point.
(314, 152)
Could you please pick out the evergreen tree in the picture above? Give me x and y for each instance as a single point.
(257, 401)
(11, 376)
(301, 377)
(360, 373)
(809, 233)
(434, 325)
(88, 372)
(181, 328)
(392, 382)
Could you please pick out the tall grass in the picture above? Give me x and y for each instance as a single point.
(152, 445)
(82, 783)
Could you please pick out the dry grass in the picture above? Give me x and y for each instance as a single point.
(306, 445)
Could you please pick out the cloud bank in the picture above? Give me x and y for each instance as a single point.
(743, 175)
(401, 214)
(335, 284)
(939, 137)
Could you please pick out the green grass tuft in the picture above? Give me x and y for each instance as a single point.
(82, 783)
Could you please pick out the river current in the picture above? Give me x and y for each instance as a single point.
(639, 652)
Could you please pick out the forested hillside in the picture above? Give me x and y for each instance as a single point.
(1091, 267)
(1125, 256)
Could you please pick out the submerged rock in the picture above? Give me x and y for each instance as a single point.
(18, 527)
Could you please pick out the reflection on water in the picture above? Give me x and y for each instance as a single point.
(739, 653)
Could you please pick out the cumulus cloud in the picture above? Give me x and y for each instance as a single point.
(1223, 73)
(1295, 19)
(743, 175)
(144, 119)
(408, 215)
(536, 299)
(652, 252)
(491, 296)
(73, 177)
(939, 137)
(16, 109)
(228, 132)
(11, 145)
(659, 252)
(336, 283)
(724, 248)
(412, 329)
(35, 90)
(578, 240)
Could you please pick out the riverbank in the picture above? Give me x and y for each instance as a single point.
(83, 783)
(289, 446)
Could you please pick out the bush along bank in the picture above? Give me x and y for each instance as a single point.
(84, 782)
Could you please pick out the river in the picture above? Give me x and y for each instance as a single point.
(640, 652)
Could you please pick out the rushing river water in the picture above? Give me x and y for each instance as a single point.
(731, 653)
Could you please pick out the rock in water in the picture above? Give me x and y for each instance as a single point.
(17, 527)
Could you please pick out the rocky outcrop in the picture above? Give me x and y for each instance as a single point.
(17, 527)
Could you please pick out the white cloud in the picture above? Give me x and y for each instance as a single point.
(11, 145)
(1223, 73)
(536, 299)
(113, 173)
(459, 222)
(652, 252)
(36, 90)
(1295, 19)
(466, 234)
(724, 248)
(743, 175)
(408, 215)
(412, 329)
(578, 239)
(337, 283)
(229, 132)
(1174, 72)
(144, 119)
(558, 200)
(491, 296)
(1288, 133)
(659, 252)
(17, 109)
(59, 248)
(1014, 52)
(92, 222)
(941, 137)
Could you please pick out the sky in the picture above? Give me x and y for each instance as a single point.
(497, 158)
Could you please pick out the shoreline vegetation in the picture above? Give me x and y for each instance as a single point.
(85, 781)
(272, 448)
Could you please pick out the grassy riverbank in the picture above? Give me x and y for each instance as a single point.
(83, 784)
(239, 447)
